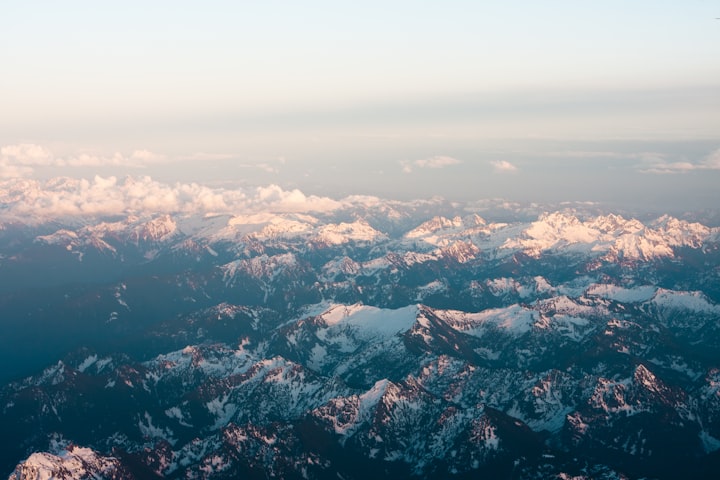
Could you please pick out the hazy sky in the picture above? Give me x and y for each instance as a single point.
(526, 100)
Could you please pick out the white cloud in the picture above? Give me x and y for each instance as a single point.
(711, 162)
(102, 196)
(438, 161)
(503, 166)
(20, 160)
(441, 161)
(25, 154)
(138, 159)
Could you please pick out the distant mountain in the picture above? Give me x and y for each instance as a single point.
(415, 340)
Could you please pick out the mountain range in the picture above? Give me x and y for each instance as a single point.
(406, 340)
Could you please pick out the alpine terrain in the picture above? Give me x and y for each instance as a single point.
(368, 339)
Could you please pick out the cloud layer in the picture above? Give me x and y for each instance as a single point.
(20, 160)
(711, 162)
(107, 196)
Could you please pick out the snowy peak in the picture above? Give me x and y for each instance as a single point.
(644, 377)
(71, 463)
(77, 243)
(276, 229)
(346, 415)
(644, 245)
(554, 231)
(461, 252)
(475, 220)
(110, 236)
(256, 227)
(358, 231)
(443, 232)
(434, 225)
(601, 239)
(341, 266)
(676, 304)
(616, 224)
(361, 322)
(658, 240)
(614, 237)
(156, 230)
(629, 396)
(264, 267)
(266, 226)
(637, 294)
(682, 233)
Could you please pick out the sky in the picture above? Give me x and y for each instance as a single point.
(561, 100)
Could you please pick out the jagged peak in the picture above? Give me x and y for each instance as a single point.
(433, 225)
(645, 377)
(475, 220)
(377, 392)
(559, 217)
(71, 463)
(156, 229)
(461, 251)
(616, 224)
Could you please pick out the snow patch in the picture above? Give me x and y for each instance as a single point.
(623, 295)
(88, 362)
(371, 321)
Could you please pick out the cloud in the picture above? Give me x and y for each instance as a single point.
(25, 154)
(20, 160)
(438, 161)
(670, 167)
(711, 162)
(503, 166)
(109, 196)
(138, 159)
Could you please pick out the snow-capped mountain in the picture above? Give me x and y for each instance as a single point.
(415, 340)
(619, 239)
(70, 463)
